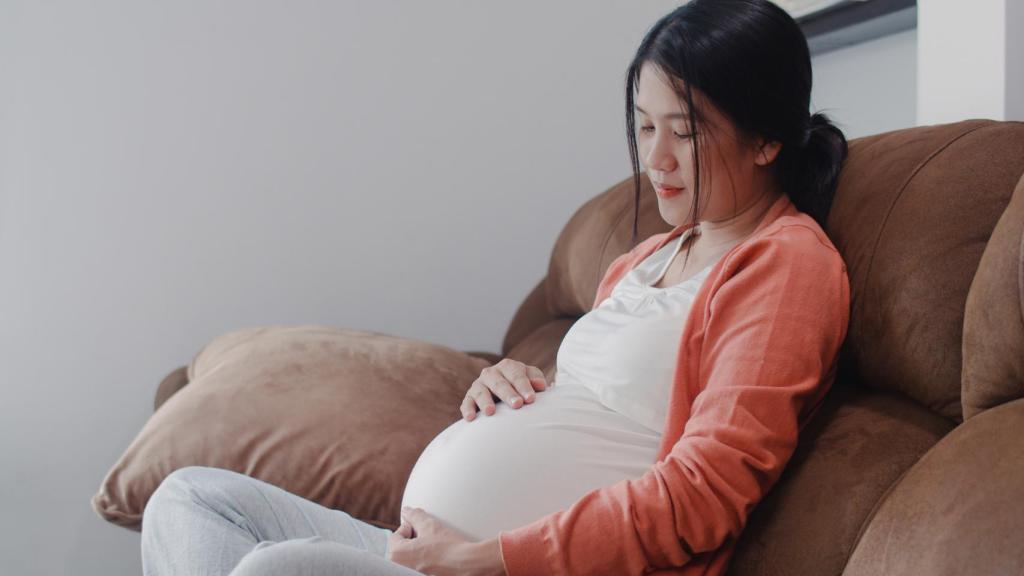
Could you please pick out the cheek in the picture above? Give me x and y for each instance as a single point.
(642, 149)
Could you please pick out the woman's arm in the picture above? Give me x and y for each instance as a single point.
(772, 336)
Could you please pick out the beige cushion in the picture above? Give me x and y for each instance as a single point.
(336, 416)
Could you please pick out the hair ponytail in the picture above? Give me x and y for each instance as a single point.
(810, 171)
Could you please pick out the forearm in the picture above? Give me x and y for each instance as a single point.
(485, 558)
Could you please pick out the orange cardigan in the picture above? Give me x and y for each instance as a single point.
(758, 352)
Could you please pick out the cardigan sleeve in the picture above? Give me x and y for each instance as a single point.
(773, 332)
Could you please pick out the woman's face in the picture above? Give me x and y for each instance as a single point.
(666, 152)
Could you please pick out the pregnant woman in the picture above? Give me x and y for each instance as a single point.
(677, 400)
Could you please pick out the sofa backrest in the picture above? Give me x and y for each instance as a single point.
(912, 216)
(913, 212)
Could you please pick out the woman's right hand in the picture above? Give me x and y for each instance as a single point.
(509, 380)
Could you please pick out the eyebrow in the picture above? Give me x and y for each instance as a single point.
(674, 115)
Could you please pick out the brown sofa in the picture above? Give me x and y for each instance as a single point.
(915, 465)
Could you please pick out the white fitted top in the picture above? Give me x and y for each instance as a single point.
(599, 422)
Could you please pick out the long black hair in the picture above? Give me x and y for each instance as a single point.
(750, 59)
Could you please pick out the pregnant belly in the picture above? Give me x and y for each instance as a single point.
(506, 470)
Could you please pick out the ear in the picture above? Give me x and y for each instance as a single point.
(766, 151)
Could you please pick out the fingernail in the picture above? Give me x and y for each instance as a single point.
(529, 396)
(515, 401)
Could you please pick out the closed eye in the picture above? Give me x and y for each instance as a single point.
(678, 135)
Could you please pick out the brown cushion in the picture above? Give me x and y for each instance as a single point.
(336, 416)
(993, 346)
(846, 459)
(912, 213)
(958, 510)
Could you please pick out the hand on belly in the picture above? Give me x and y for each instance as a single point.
(516, 466)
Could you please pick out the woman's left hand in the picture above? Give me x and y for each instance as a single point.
(427, 545)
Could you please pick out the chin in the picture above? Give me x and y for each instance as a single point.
(671, 218)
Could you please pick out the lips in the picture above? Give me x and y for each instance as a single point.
(667, 192)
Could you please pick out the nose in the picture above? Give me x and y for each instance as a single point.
(659, 156)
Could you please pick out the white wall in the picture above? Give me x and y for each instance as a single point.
(172, 171)
(1014, 61)
(978, 74)
(869, 87)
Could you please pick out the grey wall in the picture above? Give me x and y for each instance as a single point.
(869, 87)
(173, 171)
(1014, 99)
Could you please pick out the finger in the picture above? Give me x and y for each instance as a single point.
(515, 386)
(483, 399)
(417, 518)
(480, 396)
(524, 386)
(468, 408)
(537, 378)
(521, 382)
(504, 390)
(406, 527)
(395, 542)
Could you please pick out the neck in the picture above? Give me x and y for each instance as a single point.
(728, 231)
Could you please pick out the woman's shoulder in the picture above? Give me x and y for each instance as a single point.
(793, 245)
(789, 266)
(794, 236)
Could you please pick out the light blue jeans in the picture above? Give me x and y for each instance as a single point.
(204, 521)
